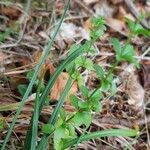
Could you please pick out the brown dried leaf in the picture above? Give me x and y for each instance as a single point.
(37, 56)
(104, 9)
(88, 2)
(60, 82)
(10, 12)
(145, 75)
(2, 60)
(121, 13)
(116, 24)
(87, 24)
(135, 91)
(116, 1)
(59, 86)
(25, 60)
(2, 56)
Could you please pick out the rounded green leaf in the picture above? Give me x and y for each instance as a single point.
(47, 128)
(84, 90)
(82, 117)
(62, 114)
(74, 101)
(59, 132)
(99, 71)
(71, 130)
(22, 88)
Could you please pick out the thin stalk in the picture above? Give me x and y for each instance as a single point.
(43, 58)
(35, 117)
(28, 6)
(60, 103)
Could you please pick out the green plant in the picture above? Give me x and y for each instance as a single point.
(62, 126)
(136, 28)
(90, 99)
(5, 34)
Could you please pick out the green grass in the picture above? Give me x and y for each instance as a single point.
(36, 117)
(99, 134)
(43, 58)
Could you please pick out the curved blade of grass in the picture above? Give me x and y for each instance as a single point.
(43, 57)
(10, 106)
(99, 134)
(55, 113)
(35, 117)
(60, 103)
(49, 86)
(60, 68)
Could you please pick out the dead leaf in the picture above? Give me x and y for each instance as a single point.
(2, 56)
(59, 87)
(116, 24)
(88, 2)
(145, 74)
(121, 13)
(132, 86)
(135, 91)
(25, 60)
(103, 9)
(87, 24)
(37, 56)
(60, 82)
(10, 12)
(68, 33)
(116, 1)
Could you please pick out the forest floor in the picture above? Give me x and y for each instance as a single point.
(25, 30)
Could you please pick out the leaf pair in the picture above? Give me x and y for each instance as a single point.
(82, 61)
(125, 53)
(62, 132)
(91, 100)
(137, 29)
(107, 82)
(98, 28)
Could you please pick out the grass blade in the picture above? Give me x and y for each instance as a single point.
(43, 57)
(60, 68)
(7, 107)
(99, 134)
(54, 115)
(60, 103)
(35, 117)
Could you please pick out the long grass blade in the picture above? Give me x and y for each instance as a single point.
(43, 58)
(35, 117)
(99, 134)
(29, 132)
(55, 113)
